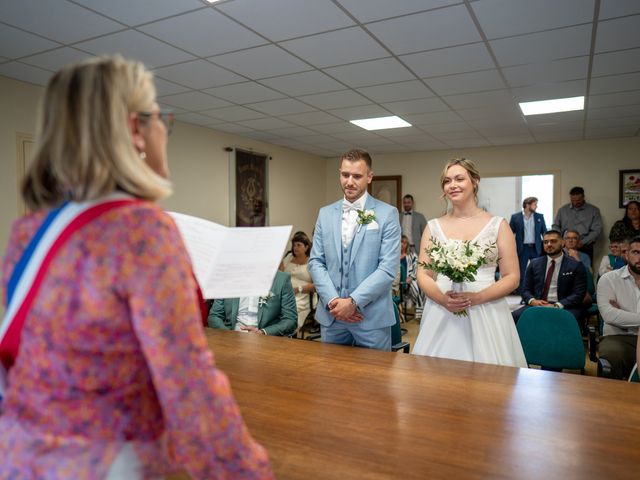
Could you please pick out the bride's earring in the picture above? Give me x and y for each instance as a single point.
(143, 156)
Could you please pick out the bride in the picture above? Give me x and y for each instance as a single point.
(488, 333)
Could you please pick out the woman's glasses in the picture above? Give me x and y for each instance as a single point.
(165, 115)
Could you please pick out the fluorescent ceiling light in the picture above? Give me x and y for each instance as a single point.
(380, 123)
(213, 1)
(552, 106)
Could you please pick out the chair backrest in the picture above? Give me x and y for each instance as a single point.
(551, 338)
(396, 331)
(634, 377)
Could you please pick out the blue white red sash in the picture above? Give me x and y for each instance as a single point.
(30, 270)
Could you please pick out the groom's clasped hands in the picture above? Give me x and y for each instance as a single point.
(345, 310)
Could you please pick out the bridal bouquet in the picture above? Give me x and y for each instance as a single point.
(457, 260)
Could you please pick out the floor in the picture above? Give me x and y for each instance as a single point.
(412, 325)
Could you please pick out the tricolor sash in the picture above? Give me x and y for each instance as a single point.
(28, 273)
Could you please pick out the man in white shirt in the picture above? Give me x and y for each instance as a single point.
(528, 226)
(274, 313)
(619, 304)
(412, 222)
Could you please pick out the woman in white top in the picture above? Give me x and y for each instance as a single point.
(488, 333)
(295, 264)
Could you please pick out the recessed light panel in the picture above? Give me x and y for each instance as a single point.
(380, 123)
(552, 106)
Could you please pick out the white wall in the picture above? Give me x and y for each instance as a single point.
(199, 168)
(498, 196)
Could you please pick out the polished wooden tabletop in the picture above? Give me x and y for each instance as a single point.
(333, 412)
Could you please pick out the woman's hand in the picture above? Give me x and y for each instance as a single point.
(454, 302)
(458, 301)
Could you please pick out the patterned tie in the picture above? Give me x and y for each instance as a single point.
(547, 282)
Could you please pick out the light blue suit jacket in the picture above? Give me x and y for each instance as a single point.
(375, 259)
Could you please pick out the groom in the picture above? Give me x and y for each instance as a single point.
(354, 259)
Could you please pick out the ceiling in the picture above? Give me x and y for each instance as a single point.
(293, 72)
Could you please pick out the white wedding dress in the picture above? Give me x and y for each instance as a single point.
(488, 334)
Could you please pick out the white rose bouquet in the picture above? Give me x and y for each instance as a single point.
(457, 260)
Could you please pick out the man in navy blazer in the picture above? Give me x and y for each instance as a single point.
(566, 287)
(354, 260)
(528, 227)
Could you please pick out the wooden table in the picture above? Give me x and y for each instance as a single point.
(333, 412)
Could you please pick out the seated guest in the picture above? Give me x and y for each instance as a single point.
(272, 314)
(555, 280)
(629, 225)
(618, 304)
(295, 264)
(571, 239)
(613, 260)
(111, 375)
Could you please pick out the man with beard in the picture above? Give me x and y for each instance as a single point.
(619, 305)
(354, 259)
(554, 280)
(528, 226)
(413, 223)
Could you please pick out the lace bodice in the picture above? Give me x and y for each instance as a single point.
(487, 235)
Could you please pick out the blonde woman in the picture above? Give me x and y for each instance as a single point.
(488, 333)
(113, 378)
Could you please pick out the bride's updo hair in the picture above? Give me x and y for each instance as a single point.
(469, 166)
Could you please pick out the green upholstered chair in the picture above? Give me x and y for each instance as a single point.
(591, 289)
(551, 339)
(634, 377)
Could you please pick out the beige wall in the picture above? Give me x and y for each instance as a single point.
(18, 103)
(592, 164)
(199, 168)
(301, 183)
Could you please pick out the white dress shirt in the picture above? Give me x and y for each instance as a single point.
(247, 312)
(619, 285)
(350, 218)
(407, 224)
(529, 229)
(552, 296)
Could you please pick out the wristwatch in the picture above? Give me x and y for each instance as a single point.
(353, 302)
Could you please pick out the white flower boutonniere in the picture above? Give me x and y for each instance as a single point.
(262, 301)
(366, 216)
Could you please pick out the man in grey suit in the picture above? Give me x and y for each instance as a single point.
(354, 259)
(412, 223)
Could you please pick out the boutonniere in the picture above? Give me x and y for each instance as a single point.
(262, 301)
(366, 216)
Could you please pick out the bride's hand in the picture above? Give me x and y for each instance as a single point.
(472, 298)
(456, 302)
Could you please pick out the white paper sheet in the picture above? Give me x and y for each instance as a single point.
(232, 262)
